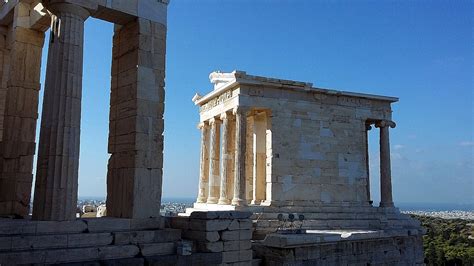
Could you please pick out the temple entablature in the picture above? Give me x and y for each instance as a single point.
(36, 15)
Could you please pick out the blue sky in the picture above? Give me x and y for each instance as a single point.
(419, 51)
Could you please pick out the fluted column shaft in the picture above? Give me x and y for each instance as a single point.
(240, 150)
(226, 159)
(204, 165)
(214, 166)
(368, 127)
(386, 199)
(58, 158)
(259, 158)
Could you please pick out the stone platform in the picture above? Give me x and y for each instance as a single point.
(90, 240)
(266, 218)
(341, 247)
(205, 238)
(221, 233)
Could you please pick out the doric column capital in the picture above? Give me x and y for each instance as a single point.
(57, 8)
(385, 123)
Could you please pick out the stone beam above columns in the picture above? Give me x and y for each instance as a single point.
(115, 11)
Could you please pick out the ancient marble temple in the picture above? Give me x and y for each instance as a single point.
(296, 156)
(278, 143)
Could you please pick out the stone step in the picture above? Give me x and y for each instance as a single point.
(316, 224)
(70, 255)
(52, 256)
(77, 240)
(193, 259)
(330, 216)
(92, 225)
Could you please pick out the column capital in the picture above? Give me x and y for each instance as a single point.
(385, 123)
(201, 124)
(240, 110)
(223, 116)
(56, 8)
(214, 120)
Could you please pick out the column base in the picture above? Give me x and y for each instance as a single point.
(212, 200)
(256, 202)
(386, 204)
(239, 202)
(223, 201)
(201, 200)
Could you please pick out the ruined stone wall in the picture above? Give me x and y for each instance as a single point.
(136, 120)
(17, 146)
(406, 250)
(221, 238)
(318, 144)
(4, 66)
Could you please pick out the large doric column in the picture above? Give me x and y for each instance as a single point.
(214, 166)
(204, 165)
(240, 150)
(226, 160)
(385, 168)
(58, 159)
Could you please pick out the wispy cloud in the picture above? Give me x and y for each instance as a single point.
(466, 143)
(396, 156)
(398, 147)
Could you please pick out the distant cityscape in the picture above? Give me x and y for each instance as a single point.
(173, 206)
(90, 207)
(455, 214)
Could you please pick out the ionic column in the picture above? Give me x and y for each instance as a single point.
(226, 159)
(214, 166)
(240, 150)
(385, 168)
(259, 158)
(204, 165)
(368, 127)
(58, 157)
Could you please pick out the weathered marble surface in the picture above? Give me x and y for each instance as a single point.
(301, 145)
(137, 105)
(302, 151)
(335, 250)
(226, 232)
